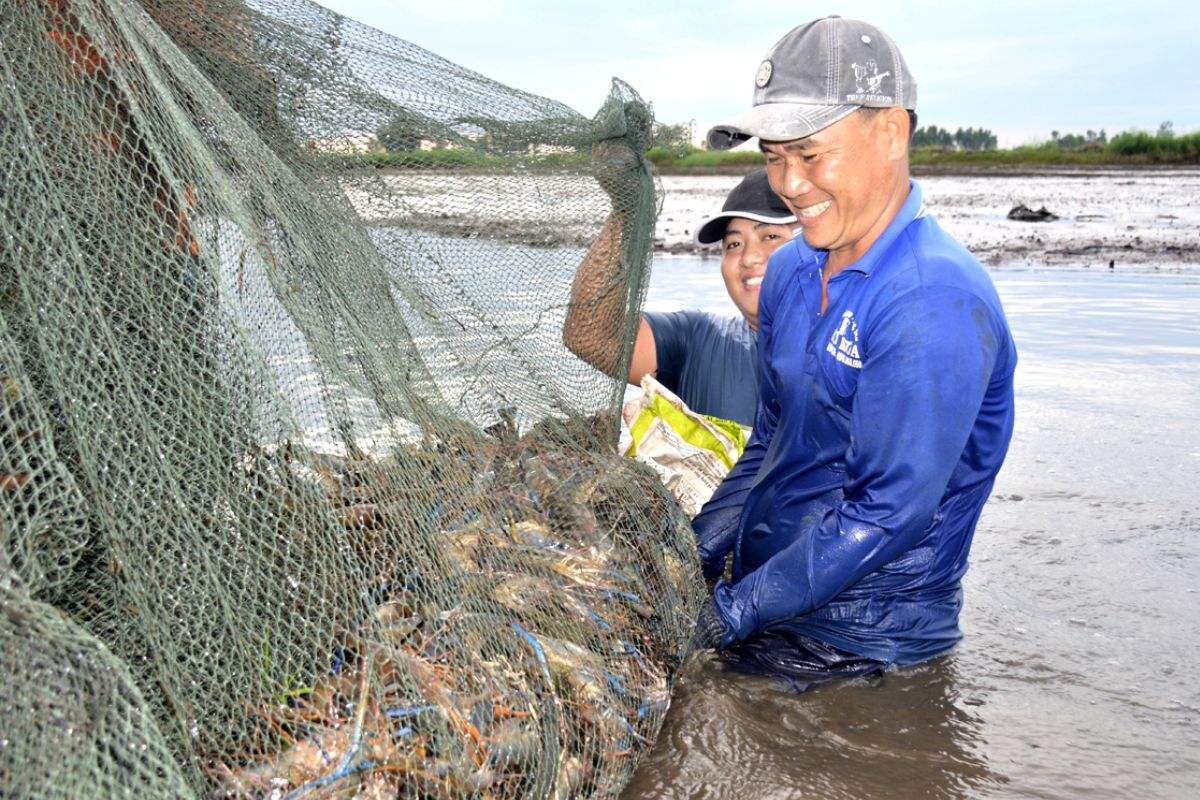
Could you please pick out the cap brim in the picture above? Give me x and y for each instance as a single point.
(712, 230)
(776, 122)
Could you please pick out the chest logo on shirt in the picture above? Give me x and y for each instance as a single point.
(843, 345)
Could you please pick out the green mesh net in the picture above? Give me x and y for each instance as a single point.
(302, 494)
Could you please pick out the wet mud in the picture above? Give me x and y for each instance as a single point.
(1147, 218)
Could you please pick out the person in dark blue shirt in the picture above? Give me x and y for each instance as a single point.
(708, 360)
(886, 404)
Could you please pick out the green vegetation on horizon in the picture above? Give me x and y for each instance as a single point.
(399, 147)
(1130, 147)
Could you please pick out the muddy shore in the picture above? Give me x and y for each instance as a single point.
(1106, 218)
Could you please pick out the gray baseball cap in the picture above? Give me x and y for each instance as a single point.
(814, 76)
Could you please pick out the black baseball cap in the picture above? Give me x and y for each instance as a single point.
(751, 199)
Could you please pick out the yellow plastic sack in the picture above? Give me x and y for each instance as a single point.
(690, 452)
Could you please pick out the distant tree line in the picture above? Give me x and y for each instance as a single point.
(671, 145)
(1074, 141)
(672, 137)
(1164, 146)
(961, 139)
(403, 134)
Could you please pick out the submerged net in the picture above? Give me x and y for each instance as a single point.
(302, 494)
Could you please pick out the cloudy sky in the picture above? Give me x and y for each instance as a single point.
(1019, 68)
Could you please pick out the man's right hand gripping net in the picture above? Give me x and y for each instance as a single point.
(301, 493)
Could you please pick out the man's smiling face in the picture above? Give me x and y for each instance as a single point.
(839, 182)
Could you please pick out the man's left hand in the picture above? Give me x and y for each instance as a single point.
(711, 631)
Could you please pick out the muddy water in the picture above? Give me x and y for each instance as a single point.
(1077, 675)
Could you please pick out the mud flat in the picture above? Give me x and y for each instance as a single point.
(1123, 218)
(1144, 218)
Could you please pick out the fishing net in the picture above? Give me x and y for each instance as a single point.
(302, 493)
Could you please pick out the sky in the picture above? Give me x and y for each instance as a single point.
(1018, 68)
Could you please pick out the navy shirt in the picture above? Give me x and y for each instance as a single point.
(883, 423)
(710, 362)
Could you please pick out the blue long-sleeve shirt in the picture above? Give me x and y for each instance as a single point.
(881, 427)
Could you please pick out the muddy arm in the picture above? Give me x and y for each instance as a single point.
(598, 313)
(595, 323)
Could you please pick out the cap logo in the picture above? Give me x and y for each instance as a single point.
(763, 75)
(867, 83)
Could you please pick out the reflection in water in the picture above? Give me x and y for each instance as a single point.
(1076, 676)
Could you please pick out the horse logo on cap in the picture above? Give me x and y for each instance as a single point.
(867, 77)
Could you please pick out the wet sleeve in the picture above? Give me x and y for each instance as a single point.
(929, 359)
(716, 526)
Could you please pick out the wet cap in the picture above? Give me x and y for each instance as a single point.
(814, 76)
(751, 199)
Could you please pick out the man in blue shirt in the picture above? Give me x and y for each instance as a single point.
(708, 360)
(886, 403)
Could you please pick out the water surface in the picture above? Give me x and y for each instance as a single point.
(1076, 675)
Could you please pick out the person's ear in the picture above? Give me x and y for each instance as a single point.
(894, 122)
